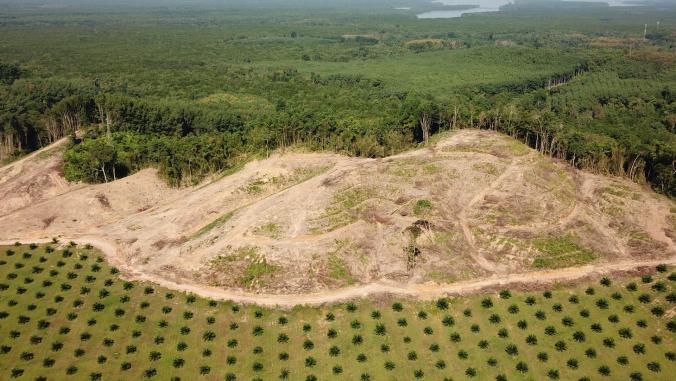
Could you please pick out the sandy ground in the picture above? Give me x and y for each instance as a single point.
(312, 228)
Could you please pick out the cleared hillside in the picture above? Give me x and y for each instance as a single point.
(473, 204)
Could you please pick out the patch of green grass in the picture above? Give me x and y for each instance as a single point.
(558, 252)
(218, 222)
(338, 269)
(270, 229)
(255, 187)
(255, 272)
(487, 168)
(430, 169)
(344, 208)
(65, 314)
(422, 207)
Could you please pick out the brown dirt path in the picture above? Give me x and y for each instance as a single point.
(425, 291)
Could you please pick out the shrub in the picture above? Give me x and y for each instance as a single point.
(310, 362)
(531, 340)
(625, 333)
(579, 336)
(380, 329)
(487, 303)
(398, 307)
(639, 348)
(657, 311)
(522, 367)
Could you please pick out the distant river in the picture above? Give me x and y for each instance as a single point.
(489, 6)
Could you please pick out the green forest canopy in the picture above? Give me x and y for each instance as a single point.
(197, 88)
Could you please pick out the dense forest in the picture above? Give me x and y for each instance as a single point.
(194, 91)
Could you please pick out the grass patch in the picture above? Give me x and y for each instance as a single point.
(218, 222)
(338, 269)
(243, 267)
(422, 207)
(559, 252)
(259, 185)
(255, 272)
(344, 208)
(270, 229)
(487, 168)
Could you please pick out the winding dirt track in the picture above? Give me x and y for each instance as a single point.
(425, 291)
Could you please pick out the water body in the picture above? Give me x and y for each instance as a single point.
(491, 6)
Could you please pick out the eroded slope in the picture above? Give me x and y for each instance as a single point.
(475, 203)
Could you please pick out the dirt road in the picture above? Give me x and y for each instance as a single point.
(424, 291)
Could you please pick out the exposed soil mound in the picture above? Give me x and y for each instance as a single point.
(474, 204)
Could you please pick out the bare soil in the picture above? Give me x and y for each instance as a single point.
(471, 210)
